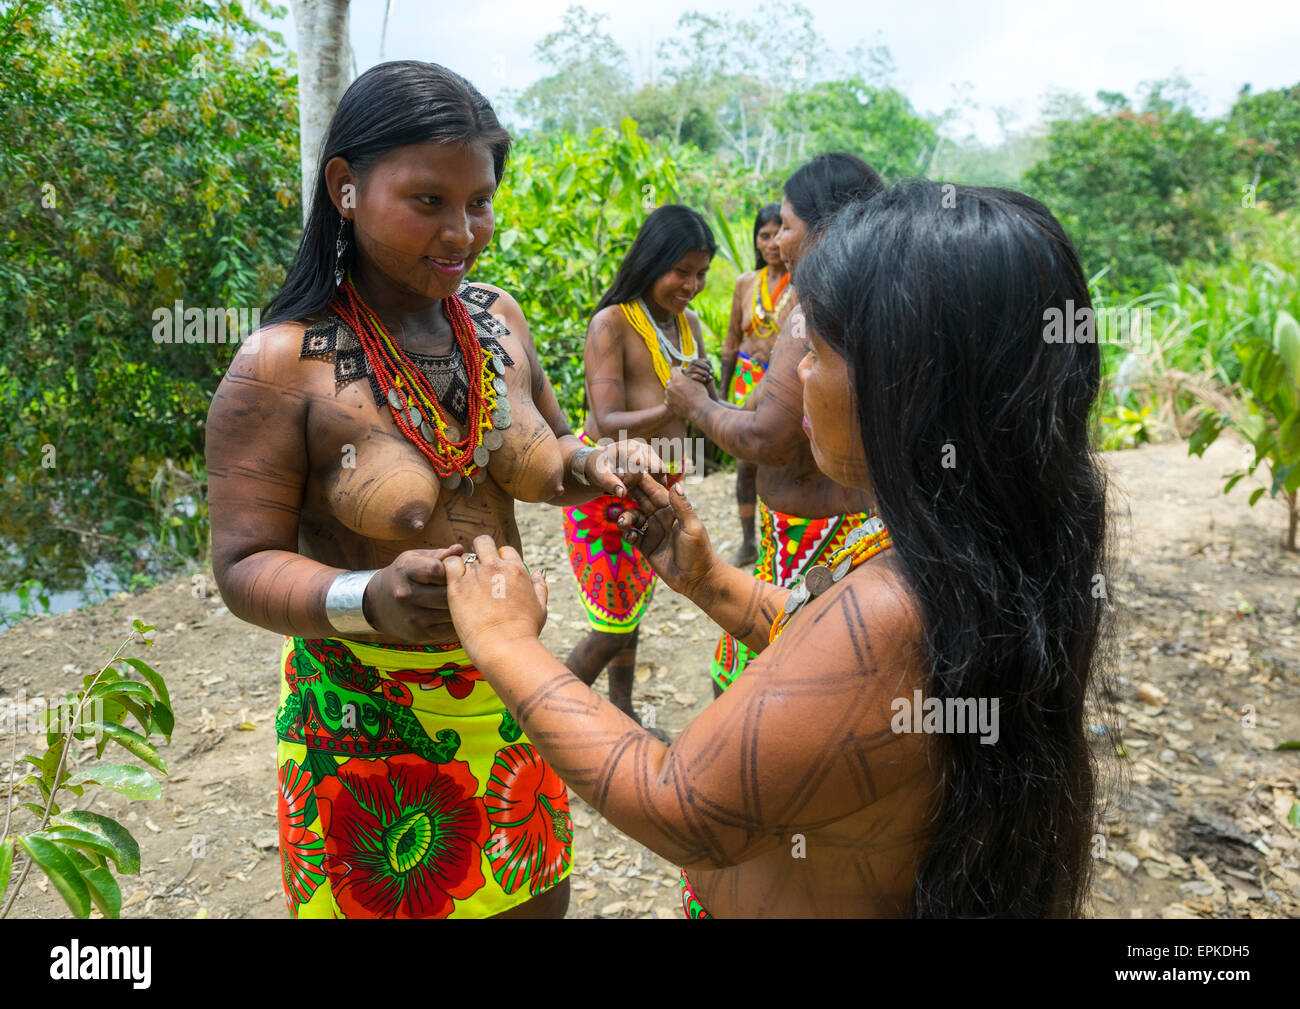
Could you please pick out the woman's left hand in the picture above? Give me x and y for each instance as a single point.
(608, 469)
(495, 603)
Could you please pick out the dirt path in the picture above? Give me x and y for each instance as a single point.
(1209, 625)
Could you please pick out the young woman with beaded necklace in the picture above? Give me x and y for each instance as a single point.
(385, 415)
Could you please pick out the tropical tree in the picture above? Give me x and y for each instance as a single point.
(1139, 188)
(588, 84)
(151, 168)
(324, 61)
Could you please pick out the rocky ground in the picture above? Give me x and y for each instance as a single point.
(1203, 822)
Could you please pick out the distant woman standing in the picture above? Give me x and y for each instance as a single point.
(758, 307)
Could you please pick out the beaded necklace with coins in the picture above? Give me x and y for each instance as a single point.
(660, 347)
(762, 323)
(861, 545)
(459, 458)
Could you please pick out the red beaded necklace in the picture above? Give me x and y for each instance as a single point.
(414, 404)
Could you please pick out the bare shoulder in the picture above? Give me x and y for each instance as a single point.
(272, 353)
(267, 379)
(867, 628)
(608, 325)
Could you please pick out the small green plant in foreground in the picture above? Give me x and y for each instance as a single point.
(76, 849)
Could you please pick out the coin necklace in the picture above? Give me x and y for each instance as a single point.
(861, 545)
(459, 459)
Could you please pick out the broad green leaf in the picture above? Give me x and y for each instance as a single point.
(163, 721)
(153, 676)
(1256, 495)
(1293, 744)
(60, 871)
(1205, 434)
(123, 690)
(565, 180)
(132, 741)
(108, 675)
(1289, 438)
(32, 779)
(133, 782)
(127, 858)
(75, 838)
(141, 714)
(103, 888)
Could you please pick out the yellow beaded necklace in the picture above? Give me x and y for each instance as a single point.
(649, 333)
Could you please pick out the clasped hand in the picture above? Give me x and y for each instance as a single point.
(690, 387)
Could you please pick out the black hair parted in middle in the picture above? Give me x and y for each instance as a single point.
(669, 233)
(768, 214)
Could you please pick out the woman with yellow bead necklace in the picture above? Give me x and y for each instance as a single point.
(642, 331)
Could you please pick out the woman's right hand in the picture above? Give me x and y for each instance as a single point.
(668, 533)
(408, 599)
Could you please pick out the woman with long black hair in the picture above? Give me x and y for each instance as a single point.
(911, 737)
(642, 332)
(388, 412)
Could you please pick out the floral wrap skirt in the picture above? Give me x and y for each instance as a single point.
(407, 790)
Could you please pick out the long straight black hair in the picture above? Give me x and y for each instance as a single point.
(977, 440)
(666, 236)
(392, 105)
(767, 214)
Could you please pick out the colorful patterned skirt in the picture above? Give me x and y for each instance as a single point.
(407, 790)
(748, 372)
(690, 902)
(615, 582)
(787, 547)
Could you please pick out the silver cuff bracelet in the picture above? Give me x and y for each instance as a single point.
(343, 602)
(578, 464)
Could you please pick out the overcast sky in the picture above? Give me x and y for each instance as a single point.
(1010, 52)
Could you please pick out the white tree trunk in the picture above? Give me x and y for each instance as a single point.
(383, 32)
(324, 59)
